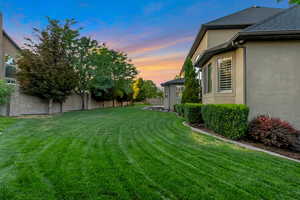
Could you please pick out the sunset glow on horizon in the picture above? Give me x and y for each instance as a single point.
(156, 35)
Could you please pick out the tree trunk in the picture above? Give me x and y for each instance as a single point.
(50, 106)
(61, 107)
(121, 103)
(113, 103)
(82, 96)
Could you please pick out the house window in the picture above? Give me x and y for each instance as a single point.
(207, 80)
(10, 69)
(225, 75)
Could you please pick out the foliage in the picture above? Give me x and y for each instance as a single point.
(137, 89)
(45, 66)
(112, 75)
(83, 64)
(229, 120)
(192, 113)
(5, 91)
(273, 132)
(291, 1)
(179, 109)
(191, 92)
(144, 89)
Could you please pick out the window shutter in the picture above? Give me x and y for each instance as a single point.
(225, 74)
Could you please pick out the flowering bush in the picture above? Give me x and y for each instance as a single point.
(273, 132)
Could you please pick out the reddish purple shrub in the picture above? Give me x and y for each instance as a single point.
(273, 132)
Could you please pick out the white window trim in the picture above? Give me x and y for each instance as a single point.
(219, 60)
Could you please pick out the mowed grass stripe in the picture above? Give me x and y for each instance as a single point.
(130, 153)
(189, 170)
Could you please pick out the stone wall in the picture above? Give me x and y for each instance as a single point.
(23, 104)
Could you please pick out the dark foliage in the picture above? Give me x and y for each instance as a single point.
(192, 113)
(273, 132)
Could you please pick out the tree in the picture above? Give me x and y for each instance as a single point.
(191, 92)
(113, 74)
(45, 65)
(137, 90)
(83, 65)
(291, 1)
(5, 91)
(144, 89)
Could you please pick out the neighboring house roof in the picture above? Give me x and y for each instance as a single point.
(11, 40)
(173, 82)
(238, 20)
(283, 25)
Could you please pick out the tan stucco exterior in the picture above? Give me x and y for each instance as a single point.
(237, 93)
(273, 79)
(1, 49)
(172, 96)
(265, 77)
(7, 47)
(217, 37)
(213, 38)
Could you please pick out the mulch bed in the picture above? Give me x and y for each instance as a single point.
(284, 152)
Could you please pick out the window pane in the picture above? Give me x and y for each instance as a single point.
(209, 79)
(225, 75)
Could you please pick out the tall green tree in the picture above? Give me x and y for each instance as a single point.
(45, 65)
(191, 92)
(84, 66)
(144, 89)
(114, 72)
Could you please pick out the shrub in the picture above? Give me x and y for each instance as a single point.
(179, 109)
(192, 113)
(273, 132)
(175, 107)
(5, 91)
(229, 120)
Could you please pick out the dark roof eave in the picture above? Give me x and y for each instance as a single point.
(173, 82)
(206, 27)
(268, 35)
(208, 54)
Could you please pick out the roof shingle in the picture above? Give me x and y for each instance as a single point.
(288, 20)
(247, 16)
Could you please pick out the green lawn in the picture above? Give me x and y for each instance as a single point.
(129, 153)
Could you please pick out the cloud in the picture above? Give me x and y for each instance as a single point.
(156, 44)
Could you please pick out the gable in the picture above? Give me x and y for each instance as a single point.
(9, 46)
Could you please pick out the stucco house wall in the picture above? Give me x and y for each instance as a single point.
(213, 38)
(171, 97)
(237, 94)
(217, 37)
(1, 49)
(272, 79)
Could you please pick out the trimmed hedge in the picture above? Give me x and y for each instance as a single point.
(192, 113)
(230, 120)
(179, 109)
